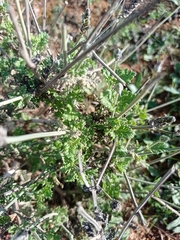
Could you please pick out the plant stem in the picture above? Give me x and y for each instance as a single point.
(166, 205)
(44, 15)
(10, 101)
(21, 18)
(107, 162)
(134, 199)
(143, 93)
(144, 201)
(32, 136)
(163, 105)
(109, 69)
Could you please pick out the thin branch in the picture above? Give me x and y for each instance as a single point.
(21, 18)
(163, 105)
(166, 205)
(10, 101)
(44, 15)
(142, 86)
(163, 158)
(4, 53)
(50, 215)
(68, 232)
(28, 25)
(37, 25)
(143, 93)
(94, 196)
(143, 39)
(151, 183)
(134, 199)
(149, 195)
(23, 51)
(76, 47)
(107, 162)
(81, 170)
(109, 69)
(158, 159)
(34, 18)
(58, 15)
(64, 43)
(104, 20)
(85, 215)
(89, 47)
(35, 235)
(15, 139)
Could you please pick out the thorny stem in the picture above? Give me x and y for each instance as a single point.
(144, 201)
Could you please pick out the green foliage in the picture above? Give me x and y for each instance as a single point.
(88, 113)
(4, 220)
(126, 74)
(39, 42)
(175, 76)
(174, 225)
(119, 128)
(111, 185)
(124, 100)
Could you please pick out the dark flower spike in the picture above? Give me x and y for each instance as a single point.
(89, 229)
(111, 234)
(115, 205)
(161, 122)
(36, 60)
(85, 21)
(130, 8)
(101, 217)
(86, 189)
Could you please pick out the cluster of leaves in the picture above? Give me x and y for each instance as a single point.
(85, 130)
